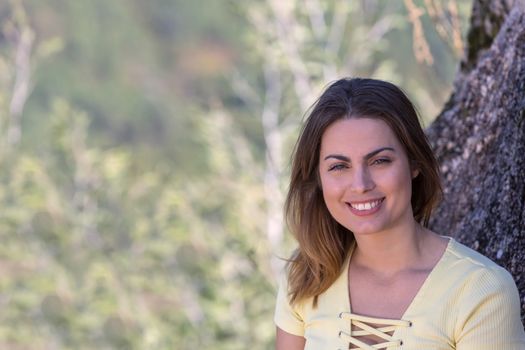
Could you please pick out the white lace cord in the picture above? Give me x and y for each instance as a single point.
(365, 329)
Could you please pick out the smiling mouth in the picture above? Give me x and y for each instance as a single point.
(364, 206)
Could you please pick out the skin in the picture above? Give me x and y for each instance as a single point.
(287, 341)
(362, 161)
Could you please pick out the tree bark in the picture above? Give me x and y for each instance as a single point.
(479, 139)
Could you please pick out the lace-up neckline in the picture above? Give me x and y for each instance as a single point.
(383, 328)
(367, 326)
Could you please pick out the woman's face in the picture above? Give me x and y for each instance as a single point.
(365, 176)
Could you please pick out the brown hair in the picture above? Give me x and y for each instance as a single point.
(323, 242)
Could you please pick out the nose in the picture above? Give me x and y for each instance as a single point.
(361, 180)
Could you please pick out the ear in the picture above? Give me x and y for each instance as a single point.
(414, 169)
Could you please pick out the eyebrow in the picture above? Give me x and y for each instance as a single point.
(367, 156)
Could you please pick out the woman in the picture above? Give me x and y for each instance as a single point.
(368, 274)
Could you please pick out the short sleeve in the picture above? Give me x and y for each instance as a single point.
(287, 317)
(490, 313)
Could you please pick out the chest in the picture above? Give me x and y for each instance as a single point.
(384, 297)
(429, 330)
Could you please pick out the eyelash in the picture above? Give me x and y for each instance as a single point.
(380, 161)
(337, 167)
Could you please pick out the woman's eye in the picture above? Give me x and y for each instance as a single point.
(337, 167)
(380, 161)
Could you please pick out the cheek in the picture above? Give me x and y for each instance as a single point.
(399, 181)
(333, 191)
(331, 186)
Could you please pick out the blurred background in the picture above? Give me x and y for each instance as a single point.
(144, 155)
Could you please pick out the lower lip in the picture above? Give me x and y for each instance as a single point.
(366, 212)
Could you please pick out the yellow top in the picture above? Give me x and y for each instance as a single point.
(466, 303)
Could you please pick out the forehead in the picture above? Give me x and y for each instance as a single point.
(358, 135)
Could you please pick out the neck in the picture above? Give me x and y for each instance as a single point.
(393, 251)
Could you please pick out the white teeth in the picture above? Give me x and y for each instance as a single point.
(366, 206)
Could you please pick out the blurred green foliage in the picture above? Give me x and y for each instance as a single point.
(135, 207)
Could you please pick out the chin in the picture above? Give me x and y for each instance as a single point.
(360, 230)
(365, 232)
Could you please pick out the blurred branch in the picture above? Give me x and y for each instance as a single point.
(436, 13)
(334, 40)
(457, 41)
(447, 24)
(284, 21)
(273, 140)
(316, 16)
(420, 45)
(22, 36)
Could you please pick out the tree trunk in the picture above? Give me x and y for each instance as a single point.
(479, 139)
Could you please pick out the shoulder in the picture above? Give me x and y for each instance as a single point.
(468, 279)
(294, 317)
(485, 295)
(289, 317)
(476, 267)
(479, 281)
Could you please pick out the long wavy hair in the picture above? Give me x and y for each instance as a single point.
(324, 243)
